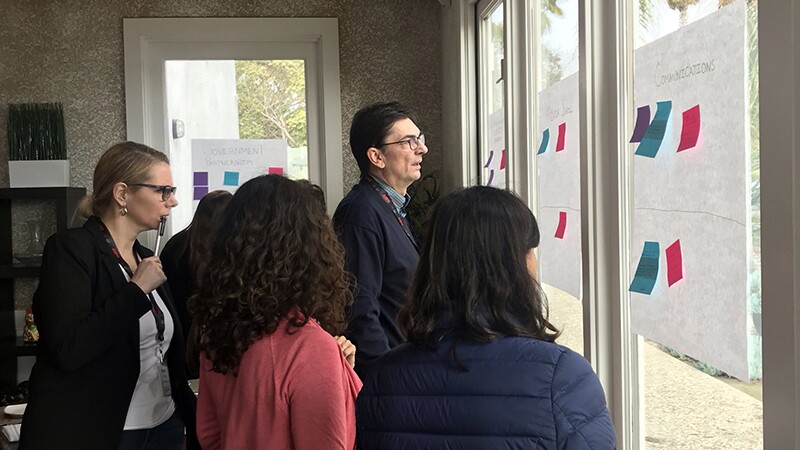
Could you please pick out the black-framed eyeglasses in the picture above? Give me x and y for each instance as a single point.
(166, 191)
(413, 142)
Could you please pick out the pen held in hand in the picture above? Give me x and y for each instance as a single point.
(161, 227)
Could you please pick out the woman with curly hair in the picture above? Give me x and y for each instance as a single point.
(272, 297)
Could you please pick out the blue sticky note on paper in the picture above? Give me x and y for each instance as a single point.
(545, 141)
(231, 179)
(647, 272)
(651, 141)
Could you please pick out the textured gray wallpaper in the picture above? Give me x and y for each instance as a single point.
(72, 52)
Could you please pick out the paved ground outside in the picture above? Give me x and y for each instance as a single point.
(684, 407)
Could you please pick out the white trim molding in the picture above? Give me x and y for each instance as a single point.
(779, 81)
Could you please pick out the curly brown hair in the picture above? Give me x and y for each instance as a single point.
(275, 256)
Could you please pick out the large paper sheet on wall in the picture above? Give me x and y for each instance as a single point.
(559, 188)
(692, 185)
(228, 163)
(494, 167)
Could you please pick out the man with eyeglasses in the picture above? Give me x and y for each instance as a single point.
(380, 248)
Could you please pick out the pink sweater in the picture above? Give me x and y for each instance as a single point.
(293, 391)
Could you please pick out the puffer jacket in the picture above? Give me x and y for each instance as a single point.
(515, 393)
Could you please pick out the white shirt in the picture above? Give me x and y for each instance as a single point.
(149, 407)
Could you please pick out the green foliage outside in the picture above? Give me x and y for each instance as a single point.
(272, 100)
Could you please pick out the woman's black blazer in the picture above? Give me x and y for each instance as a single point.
(87, 360)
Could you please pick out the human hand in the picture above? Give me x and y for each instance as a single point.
(348, 350)
(149, 275)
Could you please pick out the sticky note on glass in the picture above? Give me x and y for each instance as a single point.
(199, 192)
(201, 179)
(562, 225)
(647, 272)
(489, 161)
(491, 177)
(545, 141)
(562, 136)
(503, 159)
(642, 121)
(654, 136)
(275, 171)
(231, 179)
(674, 263)
(691, 128)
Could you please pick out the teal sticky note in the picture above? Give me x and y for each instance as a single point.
(231, 179)
(651, 141)
(545, 141)
(647, 272)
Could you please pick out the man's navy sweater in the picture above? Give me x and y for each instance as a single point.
(383, 259)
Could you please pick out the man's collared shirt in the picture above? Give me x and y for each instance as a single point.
(399, 201)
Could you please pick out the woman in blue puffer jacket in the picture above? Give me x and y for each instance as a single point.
(481, 369)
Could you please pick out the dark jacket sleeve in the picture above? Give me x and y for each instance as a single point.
(75, 328)
(364, 250)
(579, 406)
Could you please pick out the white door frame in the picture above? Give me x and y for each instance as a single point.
(150, 42)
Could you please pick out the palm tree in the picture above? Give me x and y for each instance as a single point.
(682, 6)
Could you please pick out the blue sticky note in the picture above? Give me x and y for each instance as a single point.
(231, 179)
(651, 141)
(647, 272)
(545, 141)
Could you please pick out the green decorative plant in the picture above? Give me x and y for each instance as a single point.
(424, 194)
(36, 132)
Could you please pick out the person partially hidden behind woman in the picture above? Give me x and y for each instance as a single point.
(110, 370)
(185, 257)
(481, 369)
(272, 376)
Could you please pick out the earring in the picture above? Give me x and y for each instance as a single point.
(123, 211)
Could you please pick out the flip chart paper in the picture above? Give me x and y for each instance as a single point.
(562, 225)
(651, 141)
(545, 141)
(674, 263)
(562, 135)
(642, 121)
(647, 272)
(690, 129)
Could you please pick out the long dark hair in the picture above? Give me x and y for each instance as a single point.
(204, 224)
(472, 281)
(275, 256)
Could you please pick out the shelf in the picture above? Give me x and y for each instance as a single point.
(20, 348)
(19, 271)
(40, 193)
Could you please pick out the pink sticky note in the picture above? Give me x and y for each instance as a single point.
(674, 263)
(275, 171)
(691, 128)
(562, 224)
(562, 136)
(503, 159)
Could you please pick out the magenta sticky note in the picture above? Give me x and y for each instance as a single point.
(200, 191)
(562, 224)
(503, 159)
(674, 263)
(642, 122)
(562, 136)
(201, 179)
(691, 128)
(275, 171)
